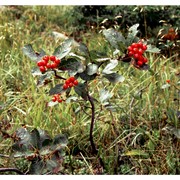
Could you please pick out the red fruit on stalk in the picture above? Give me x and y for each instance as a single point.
(57, 61)
(75, 82)
(72, 79)
(42, 68)
(52, 58)
(140, 63)
(65, 86)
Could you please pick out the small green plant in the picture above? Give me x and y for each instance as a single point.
(77, 63)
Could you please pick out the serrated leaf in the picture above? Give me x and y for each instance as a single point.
(72, 65)
(113, 63)
(64, 49)
(136, 152)
(114, 77)
(43, 78)
(29, 52)
(104, 95)
(81, 90)
(164, 86)
(132, 32)
(152, 49)
(92, 69)
(58, 89)
(87, 77)
(116, 39)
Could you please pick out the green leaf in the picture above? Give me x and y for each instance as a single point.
(114, 77)
(72, 65)
(43, 78)
(59, 142)
(104, 95)
(92, 69)
(29, 52)
(64, 49)
(81, 90)
(84, 49)
(24, 141)
(45, 139)
(58, 89)
(116, 39)
(152, 49)
(36, 72)
(136, 152)
(37, 167)
(113, 63)
(35, 139)
(132, 32)
(84, 75)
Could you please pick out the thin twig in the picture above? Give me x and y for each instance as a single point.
(57, 76)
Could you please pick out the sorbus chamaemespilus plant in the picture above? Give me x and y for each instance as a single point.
(136, 51)
(48, 62)
(70, 82)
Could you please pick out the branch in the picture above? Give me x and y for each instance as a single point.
(57, 76)
(11, 169)
(95, 151)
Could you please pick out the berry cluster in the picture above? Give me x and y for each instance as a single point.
(136, 50)
(57, 97)
(48, 62)
(70, 83)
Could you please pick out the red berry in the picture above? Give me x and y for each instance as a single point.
(48, 66)
(140, 63)
(54, 99)
(75, 82)
(134, 45)
(52, 58)
(168, 81)
(42, 68)
(72, 79)
(130, 48)
(145, 60)
(140, 51)
(130, 53)
(136, 56)
(57, 61)
(67, 81)
(135, 50)
(54, 65)
(144, 47)
(140, 44)
(39, 63)
(46, 58)
(71, 84)
(60, 100)
(65, 86)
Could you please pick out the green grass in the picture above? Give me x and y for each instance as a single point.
(136, 125)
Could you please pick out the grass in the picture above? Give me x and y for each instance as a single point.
(130, 140)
